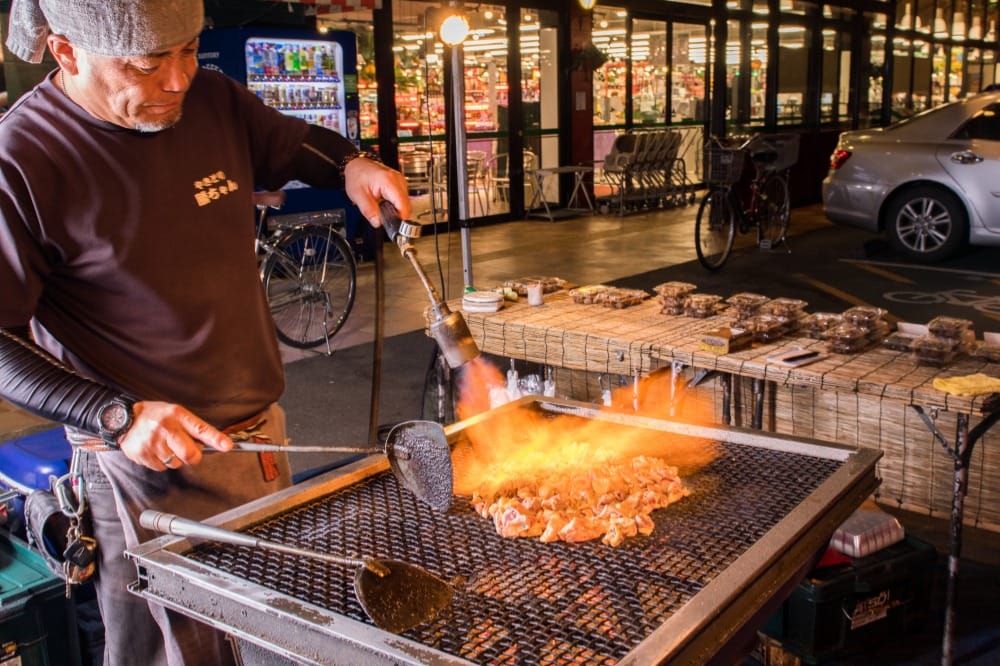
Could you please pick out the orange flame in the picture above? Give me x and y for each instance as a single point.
(527, 443)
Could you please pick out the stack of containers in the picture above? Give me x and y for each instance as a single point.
(777, 318)
(861, 327)
(745, 306)
(672, 296)
(818, 323)
(702, 306)
(946, 339)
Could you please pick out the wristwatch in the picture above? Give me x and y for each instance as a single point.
(114, 419)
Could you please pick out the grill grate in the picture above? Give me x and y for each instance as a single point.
(519, 600)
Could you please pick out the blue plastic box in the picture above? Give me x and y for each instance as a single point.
(26, 463)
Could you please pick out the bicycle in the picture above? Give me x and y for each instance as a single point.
(722, 213)
(308, 271)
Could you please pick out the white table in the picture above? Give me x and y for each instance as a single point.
(540, 176)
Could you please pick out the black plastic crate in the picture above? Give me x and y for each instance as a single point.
(840, 610)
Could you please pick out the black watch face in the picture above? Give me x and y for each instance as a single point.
(114, 417)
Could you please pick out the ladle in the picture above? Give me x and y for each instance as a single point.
(397, 596)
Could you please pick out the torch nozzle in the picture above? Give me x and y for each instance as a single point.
(448, 328)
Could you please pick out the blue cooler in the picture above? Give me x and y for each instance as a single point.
(27, 462)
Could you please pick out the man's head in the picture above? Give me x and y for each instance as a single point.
(128, 62)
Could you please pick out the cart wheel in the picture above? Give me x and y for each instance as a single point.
(605, 209)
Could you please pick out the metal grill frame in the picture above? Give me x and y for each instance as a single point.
(713, 626)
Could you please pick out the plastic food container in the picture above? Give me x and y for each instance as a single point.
(622, 298)
(784, 307)
(549, 284)
(747, 302)
(702, 305)
(989, 352)
(846, 338)
(817, 323)
(931, 350)
(863, 316)
(589, 294)
(674, 289)
(768, 328)
(673, 295)
(866, 532)
(949, 327)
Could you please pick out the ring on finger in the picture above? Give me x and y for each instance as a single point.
(169, 459)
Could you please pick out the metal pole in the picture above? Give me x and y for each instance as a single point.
(460, 152)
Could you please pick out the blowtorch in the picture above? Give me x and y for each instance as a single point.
(447, 328)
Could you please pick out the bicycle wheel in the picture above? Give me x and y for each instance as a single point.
(715, 229)
(774, 212)
(310, 281)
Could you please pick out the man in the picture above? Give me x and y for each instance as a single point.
(126, 239)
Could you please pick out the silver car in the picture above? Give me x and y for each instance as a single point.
(930, 182)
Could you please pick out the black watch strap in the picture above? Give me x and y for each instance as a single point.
(114, 418)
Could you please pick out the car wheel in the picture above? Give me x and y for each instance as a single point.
(926, 224)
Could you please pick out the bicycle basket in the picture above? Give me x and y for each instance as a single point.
(725, 164)
(786, 146)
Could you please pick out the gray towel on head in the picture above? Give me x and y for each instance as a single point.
(26, 30)
(107, 27)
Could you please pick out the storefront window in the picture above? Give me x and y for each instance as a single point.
(734, 53)
(793, 58)
(648, 46)
(835, 91)
(939, 75)
(610, 92)
(687, 101)
(758, 72)
(874, 77)
(921, 82)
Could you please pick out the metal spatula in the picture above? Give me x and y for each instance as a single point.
(397, 596)
(418, 454)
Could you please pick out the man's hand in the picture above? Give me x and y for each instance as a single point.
(368, 182)
(166, 435)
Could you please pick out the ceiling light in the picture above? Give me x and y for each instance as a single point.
(454, 29)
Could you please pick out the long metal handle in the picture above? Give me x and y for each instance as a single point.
(258, 447)
(168, 523)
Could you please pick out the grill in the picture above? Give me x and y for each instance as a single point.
(736, 544)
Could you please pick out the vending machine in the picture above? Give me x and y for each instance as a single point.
(303, 73)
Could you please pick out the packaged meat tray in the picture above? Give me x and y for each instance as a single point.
(673, 295)
(612, 297)
(863, 316)
(589, 294)
(767, 327)
(784, 307)
(702, 305)
(674, 289)
(867, 531)
(949, 327)
(934, 351)
(846, 338)
(817, 323)
(623, 298)
(549, 284)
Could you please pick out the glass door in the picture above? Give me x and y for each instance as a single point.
(539, 30)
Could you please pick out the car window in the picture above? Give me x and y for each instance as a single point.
(985, 125)
(922, 116)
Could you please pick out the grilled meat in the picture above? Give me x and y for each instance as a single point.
(611, 501)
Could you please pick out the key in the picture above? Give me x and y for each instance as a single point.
(81, 552)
